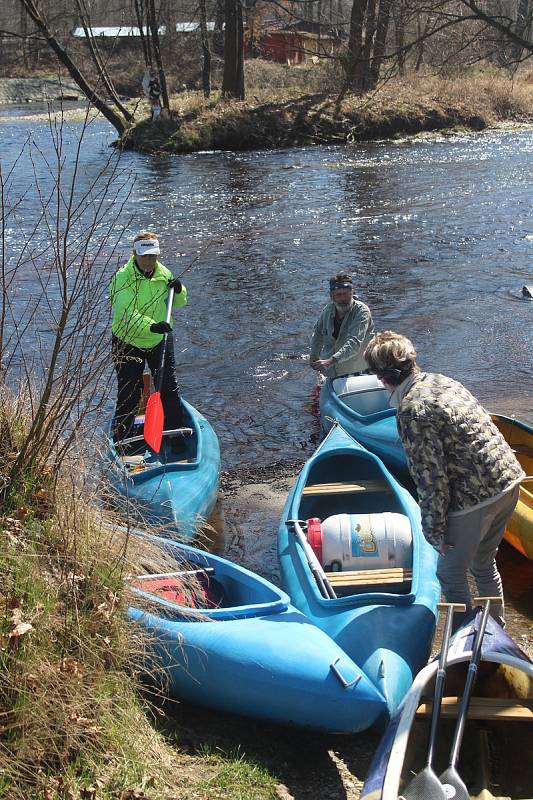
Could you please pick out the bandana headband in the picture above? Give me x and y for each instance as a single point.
(340, 285)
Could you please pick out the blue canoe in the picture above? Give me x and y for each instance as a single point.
(175, 491)
(360, 404)
(498, 735)
(228, 639)
(384, 619)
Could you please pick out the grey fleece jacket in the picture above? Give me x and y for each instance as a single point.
(356, 330)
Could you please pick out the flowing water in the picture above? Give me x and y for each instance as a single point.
(438, 233)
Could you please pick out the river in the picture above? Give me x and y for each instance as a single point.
(438, 232)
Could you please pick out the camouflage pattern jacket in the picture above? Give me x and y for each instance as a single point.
(456, 455)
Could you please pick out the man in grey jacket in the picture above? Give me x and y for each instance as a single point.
(341, 332)
(466, 475)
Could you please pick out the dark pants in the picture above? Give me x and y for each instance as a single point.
(129, 365)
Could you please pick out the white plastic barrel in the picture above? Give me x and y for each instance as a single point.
(362, 541)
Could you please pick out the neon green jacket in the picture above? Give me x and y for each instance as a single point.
(138, 302)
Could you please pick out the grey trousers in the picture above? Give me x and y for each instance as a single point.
(474, 537)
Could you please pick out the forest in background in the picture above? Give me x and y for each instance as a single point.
(358, 46)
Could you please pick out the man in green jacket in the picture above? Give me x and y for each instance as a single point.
(139, 294)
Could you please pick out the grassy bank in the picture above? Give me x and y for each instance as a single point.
(74, 722)
(287, 116)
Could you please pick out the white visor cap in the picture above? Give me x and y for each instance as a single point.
(146, 247)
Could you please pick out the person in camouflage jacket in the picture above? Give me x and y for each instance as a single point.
(465, 473)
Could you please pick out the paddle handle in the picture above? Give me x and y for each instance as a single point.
(448, 609)
(165, 337)
(326, 589)
(470, 678)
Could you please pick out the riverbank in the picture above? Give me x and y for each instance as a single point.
(287, 118)
(289, 115)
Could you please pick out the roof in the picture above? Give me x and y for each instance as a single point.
(190, 27)
(120, 31)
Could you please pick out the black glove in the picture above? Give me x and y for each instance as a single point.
(160, 327)
(175, 283)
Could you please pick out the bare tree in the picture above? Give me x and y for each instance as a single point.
(154, 30)
(233, 79)
(113, 115)
(99, 62)
(65, 257)
(206, 51)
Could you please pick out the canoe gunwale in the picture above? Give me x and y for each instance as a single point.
(266, 608)
(228, 613)
(150, 472)
(407, 711)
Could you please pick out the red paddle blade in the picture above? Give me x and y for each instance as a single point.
(154, 420)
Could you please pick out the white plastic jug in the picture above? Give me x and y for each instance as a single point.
(362, 541)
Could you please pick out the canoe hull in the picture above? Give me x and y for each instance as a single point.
(402, 749)
(262, 659)
(176, 495)
(387, 634)
(519, 530)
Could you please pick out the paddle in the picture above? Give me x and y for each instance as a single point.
(326, 589)
(426, 784)
(450, 778)
(154, 418)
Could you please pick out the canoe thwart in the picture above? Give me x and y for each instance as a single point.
(346, 488)
(487, 708)
(363, 577)
(173, 432)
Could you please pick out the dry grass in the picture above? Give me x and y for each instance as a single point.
(71, 714)
(287, 116)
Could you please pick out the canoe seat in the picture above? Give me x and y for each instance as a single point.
(347, 488)
(488, 708)
(365, 577)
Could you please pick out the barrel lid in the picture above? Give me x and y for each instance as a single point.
(314, 536)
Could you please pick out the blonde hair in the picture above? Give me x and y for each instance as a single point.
(145, 235)
(391, 356)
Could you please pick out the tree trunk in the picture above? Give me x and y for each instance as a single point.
(145, 40)
(370, 30)
(353, 62)
(399, 31)
(23, 35)
(233, 80)
(206, 52)
(152, 22)
(218, 36)
(115, 119)
(381, 39)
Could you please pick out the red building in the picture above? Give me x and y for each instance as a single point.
(292, 43)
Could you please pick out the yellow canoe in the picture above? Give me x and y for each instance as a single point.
(519, 531)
